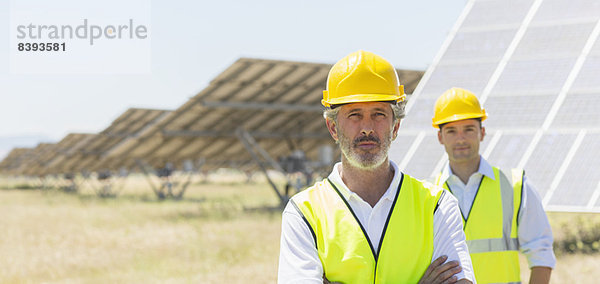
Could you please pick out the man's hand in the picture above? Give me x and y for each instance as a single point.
(540, 275)
(440, 272)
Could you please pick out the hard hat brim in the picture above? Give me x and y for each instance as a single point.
(361, 98)
(458, 117)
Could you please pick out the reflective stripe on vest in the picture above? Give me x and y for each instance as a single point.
(346, 253)
(491, 227)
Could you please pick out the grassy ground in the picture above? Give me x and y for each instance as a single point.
(224, 231)
(218, 233)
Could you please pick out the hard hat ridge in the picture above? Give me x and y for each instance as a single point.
(362, 76)
(457, 104)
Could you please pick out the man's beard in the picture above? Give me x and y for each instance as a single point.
(364, 159)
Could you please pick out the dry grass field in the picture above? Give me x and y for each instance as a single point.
(223, 231)
(220, 233)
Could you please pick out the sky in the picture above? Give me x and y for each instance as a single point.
(190, 43)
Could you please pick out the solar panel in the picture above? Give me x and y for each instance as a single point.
(555, 40)
(579, 110)
(509, 149)
(550, 10)
(596, 197)
(534, 76)
(518, 111)
(481, 45)
(581, 178)
(547, 158)
(471, 75)
(426, 157)
(90, 155)
(588, 79)
(61, 148)
(30, 165)
(495, 13)
(420, 118)
(489, 142)
(64, 150)
(275, 102)
(534, 64)
(401, 145)
(13, 160)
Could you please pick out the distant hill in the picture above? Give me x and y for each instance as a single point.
(7, 143)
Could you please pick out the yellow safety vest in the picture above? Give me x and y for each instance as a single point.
(491, 227)
(347, 254)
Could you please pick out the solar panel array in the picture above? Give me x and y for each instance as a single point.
(276, 103)
(82, 152)
(29, 164)
(534, 65)
(64, 150)
(272, 104)
(13, 161)
(92, 155)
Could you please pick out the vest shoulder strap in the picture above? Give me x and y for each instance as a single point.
(312, 232)
(439, 201)
(515, 176)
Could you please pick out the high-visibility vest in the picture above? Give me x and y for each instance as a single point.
(346, 253)
(491, 227)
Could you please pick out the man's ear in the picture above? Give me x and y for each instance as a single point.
(332, 129)
(482, 133)
(440, 137)
(395, 131)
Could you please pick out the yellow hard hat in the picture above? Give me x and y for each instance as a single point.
(457, 104)
(362, 76)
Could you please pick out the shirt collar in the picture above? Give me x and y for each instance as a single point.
(484, 169)
(336, 179)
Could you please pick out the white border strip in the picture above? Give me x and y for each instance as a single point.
(492, 145)
(532, 145)
(564, 167)
(411, 151)
(439, 165)
(594, 198)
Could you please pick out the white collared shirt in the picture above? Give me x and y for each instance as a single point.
(534, 231)
(298, 257)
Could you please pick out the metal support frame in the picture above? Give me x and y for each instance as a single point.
(37, 182)
(109, 186)
(263, 106)
(225, 134)
(167, 188)
(49, 181)
(71, 184)
(257, 152)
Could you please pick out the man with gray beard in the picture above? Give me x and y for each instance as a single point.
(368, 222)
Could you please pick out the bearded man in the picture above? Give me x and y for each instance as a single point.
(368, 222)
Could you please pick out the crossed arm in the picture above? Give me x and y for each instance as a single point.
(437, 273)
(440, 272)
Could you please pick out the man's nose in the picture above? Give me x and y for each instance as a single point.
(367, 126)
(461, 136)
